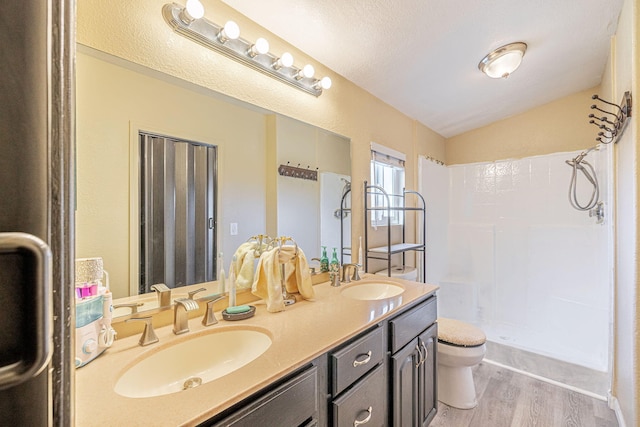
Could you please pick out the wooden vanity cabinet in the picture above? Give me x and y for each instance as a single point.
(385, 376)
(413, 346)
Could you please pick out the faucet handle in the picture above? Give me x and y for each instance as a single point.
(132, 305)
(193, 293)
(209, 317)
(356, 275)
(164, 294)
(148, 335)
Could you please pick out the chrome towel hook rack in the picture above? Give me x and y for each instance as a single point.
(613, 124)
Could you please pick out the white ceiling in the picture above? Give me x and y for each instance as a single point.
(421, 56)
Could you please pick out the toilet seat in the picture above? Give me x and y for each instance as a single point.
(460, 334)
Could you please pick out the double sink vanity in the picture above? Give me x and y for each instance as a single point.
(359, 354)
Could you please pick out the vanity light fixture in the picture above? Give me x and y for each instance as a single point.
(189, 21)
(503, 61)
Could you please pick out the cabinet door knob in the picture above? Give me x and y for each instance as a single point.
(364, 361)
(357, 422)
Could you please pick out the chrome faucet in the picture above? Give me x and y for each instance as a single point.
(164, 294)
(345, 275)
(181, 309)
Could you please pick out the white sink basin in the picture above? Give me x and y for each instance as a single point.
(375, 290)
(191, 362)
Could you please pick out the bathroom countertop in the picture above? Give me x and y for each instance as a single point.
(299, 334)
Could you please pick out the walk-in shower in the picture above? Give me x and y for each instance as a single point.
(513, 257)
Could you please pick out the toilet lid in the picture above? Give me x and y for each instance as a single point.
(459, 333)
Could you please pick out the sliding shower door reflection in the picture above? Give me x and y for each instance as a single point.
(177, 212)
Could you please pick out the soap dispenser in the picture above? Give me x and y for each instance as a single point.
(334, 266)
(324, 260)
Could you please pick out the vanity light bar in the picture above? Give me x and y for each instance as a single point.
(206, 33)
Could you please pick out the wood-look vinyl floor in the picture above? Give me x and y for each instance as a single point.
(510, 399)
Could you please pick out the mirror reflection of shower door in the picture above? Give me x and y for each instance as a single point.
(177, 212)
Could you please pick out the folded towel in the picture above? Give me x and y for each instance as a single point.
(297, 272)
(243, 264)
(267, 283)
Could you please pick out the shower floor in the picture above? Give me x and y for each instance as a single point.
(575, 376)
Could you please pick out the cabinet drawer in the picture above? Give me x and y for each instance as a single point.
(289, 404)
(410, 324)
(356, 359)
(365, 404)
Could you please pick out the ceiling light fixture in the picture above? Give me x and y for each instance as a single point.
(503, 61)
(189, 22)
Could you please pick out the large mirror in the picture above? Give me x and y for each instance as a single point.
(117, 100)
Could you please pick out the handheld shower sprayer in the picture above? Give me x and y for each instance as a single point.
(579, 164)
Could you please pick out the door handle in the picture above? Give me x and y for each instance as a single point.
(36, 358)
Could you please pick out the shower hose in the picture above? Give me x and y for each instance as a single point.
(579, 164)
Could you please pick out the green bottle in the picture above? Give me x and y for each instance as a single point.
(334, 266)
(324, 261)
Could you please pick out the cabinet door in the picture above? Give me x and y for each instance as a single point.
(427, 386)
(405, 386)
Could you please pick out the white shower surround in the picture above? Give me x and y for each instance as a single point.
(520, 262)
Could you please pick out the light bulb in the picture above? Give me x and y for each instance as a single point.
(230, 31)
(260, 47)
(192, 11)
(326, 82)
(308, 71)
(286, 60)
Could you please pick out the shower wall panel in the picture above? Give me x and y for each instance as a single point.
(536, 269)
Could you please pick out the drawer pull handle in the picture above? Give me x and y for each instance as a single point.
(357, 423)
(364, 361)
(426, 352)
(419, 362)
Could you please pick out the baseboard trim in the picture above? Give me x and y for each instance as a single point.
(615, 405)
(550, 381)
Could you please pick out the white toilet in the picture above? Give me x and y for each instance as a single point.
(460, 347)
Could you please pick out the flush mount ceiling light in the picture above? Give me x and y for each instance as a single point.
(503, 61)
(189, 21)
